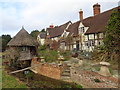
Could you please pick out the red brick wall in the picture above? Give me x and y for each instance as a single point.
(52, 71)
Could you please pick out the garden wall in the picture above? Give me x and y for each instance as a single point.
(49, 70)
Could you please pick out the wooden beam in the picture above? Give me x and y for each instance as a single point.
(20, 70)
(25, 69)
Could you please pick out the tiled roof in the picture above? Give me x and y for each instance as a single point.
(58, 30)
(73, 28)
(98, 23)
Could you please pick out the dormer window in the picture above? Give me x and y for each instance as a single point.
(82, 29)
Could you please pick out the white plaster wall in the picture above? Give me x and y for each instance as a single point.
(65, 33)
(91, 36)
(42, 41)
(83, 36)
(55, 38)
(86, 38)
(100, 35)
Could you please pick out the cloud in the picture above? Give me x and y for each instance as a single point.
(40, 14)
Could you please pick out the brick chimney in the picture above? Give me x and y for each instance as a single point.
(96, 9)
(51, 26)
(81, 14)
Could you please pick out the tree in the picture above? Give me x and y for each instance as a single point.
(34, 33)
(69, 41)
(12, 56)
(4, 39)
(43, 30)
(112, 36)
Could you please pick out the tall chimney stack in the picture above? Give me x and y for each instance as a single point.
(96, 9)
(81, 14)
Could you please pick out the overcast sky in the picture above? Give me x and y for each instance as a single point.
(39, 14)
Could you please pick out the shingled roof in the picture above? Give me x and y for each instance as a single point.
(97, 23)
(23, 38)
(58, 30)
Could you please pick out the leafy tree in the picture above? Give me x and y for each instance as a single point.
(34, 33)
(69, 41)
(43, 30)
(4, 39)
(112, 36)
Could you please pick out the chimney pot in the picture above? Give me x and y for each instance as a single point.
(96, 9)
(51, 26)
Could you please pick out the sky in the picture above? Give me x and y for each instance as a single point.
(39, 14)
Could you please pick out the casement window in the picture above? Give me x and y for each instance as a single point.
(92, 43)
(99, 43)
(24, 48)
(86, 43)
(82, 29)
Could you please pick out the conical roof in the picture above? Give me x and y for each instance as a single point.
(23, 38)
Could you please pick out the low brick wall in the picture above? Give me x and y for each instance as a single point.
(52, 71)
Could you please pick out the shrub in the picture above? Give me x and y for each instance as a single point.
(97, 80)
(111, 71)
(79, 86)
(50, 55)
(42, 47)
(66, 54)
(97, 68)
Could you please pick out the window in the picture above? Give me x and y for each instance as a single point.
(24, 48)
(82, 29)
(92, 43)
(99, 43)
(86, 43)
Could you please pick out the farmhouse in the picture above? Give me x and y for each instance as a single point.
(41, 38)
(54, 33)
(87, 33)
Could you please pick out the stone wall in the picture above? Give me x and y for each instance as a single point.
(49, 70)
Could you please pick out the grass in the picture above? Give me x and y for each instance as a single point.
(46, 82)
(97, 68)
(111, 71)
(40, 81)
(0, 73)
(9, 81)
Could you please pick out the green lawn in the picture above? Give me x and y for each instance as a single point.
(8, 81)
(0, 73)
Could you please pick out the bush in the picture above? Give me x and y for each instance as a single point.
(111, 71)
(66, 54)
(42, 47)
(79, 86)
(97, 68)
(97, 80)
(50, 55)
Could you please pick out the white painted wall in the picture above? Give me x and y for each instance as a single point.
(40, 40)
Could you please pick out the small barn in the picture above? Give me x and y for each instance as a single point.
(26, 47)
